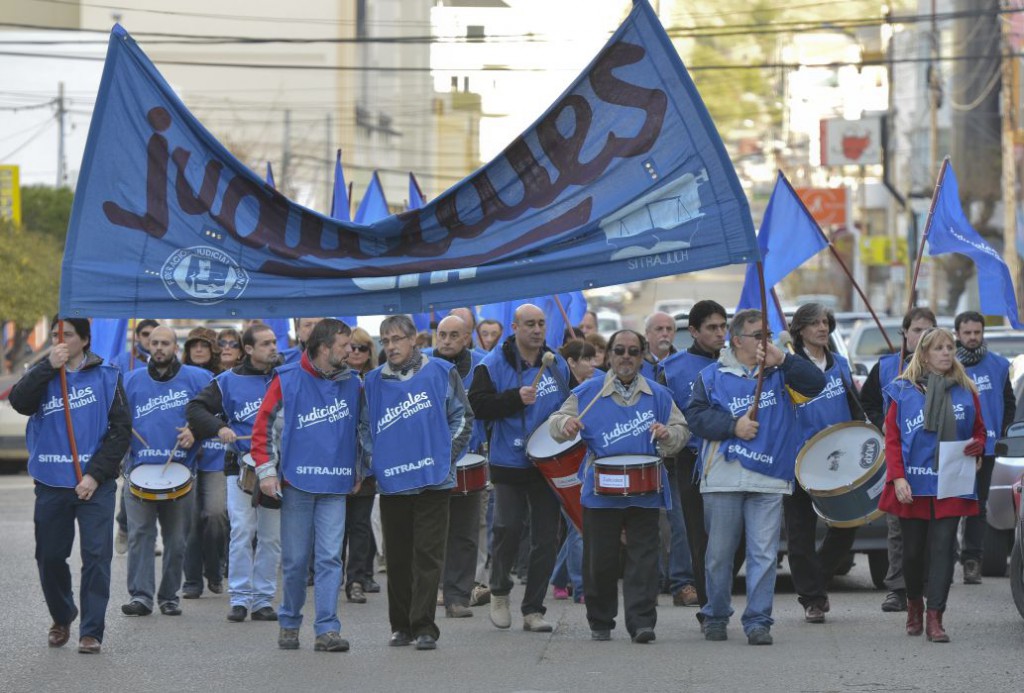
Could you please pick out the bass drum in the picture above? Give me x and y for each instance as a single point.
(842, 468)
(559, 464)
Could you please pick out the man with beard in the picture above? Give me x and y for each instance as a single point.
(991, 374)
(660, 330)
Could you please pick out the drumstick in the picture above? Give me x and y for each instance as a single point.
(170, 458)
(546, 361)
(139, 436)
(243, 437)
(587, 408)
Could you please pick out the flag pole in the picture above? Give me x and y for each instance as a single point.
(764, 340)
(842, 264)
(778, 306)
(565, 316)
(67, 409)
(920, 252)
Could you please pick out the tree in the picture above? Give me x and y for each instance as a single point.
(29, 280)
(46, 210)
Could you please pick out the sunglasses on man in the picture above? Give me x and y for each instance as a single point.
(621, 351)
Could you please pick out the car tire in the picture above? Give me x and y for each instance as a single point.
(878, 564)
(1017, 576)
(995, 551)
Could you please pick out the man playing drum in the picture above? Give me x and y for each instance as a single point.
(811, 569)
(503, 394)
(102, 426)
(915, 323)
(157, 396)
(626, 415)
(226, 409)
(419, 424)
(745, 470)
(463, 508)
(304, 445)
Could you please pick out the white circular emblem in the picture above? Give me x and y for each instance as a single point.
(203, 275)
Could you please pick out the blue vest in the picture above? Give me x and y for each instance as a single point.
(509, 435)
(412, 443)
(91, 392)
(918, 445)
(773, 451)
(241, 397)
(292, 355)
(990, 377)
(479, 435)
(829, 407)
(158, 410)
(887, 374)
(648, 370)
(681, 370)
(612, 429)
(319, 439)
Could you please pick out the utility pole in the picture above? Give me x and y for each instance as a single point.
(286, 155)
(1009, 177)
(62, 177)
(934, 97)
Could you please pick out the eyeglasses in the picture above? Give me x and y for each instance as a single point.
(385, 342)
(621, 350)
(365, 348)
(755, 335)
(227, 344)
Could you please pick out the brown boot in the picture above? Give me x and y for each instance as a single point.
(936, 633)
(915, 616)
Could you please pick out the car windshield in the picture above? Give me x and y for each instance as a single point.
(871, 343)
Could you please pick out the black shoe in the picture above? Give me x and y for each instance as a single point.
(426, 642)
(972, 572)
(264, 613)
(759, 636)
(135, 608)
(601, 635)
(644, 636)
(371, 586)
(216, 587)
(355, 593)
(399, 639)
(170, 609)
(191, 592)
(895, 601)
(237, 614)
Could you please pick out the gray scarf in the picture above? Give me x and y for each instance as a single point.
(938, 410)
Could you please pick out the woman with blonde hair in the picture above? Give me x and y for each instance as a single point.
(933, 401)
(362, 359)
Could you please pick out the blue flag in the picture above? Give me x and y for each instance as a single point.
(416, 198)
(623, 178)
(789, 237)
(949, 232)
(575, 307)
(373, 207)
(339, 197)
(107, 337)
(270, 176)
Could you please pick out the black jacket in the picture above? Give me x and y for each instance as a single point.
(27, 396)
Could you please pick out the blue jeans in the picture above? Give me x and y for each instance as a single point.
(680, 562)
(569, 563)
(55, 513)
(252, 574)
(317, 521)
(726, 517)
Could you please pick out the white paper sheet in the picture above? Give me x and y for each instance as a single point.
(956, 470)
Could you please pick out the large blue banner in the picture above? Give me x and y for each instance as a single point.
(623, 178)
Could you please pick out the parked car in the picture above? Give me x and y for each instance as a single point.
(1001, 513)
(608, 322)
(866, 343)
(1017, 555)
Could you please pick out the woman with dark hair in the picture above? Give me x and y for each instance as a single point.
(581, 357)
(600, 345)
(230, 344)
(201, 350)
(933, 401)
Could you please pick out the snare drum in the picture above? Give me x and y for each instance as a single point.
(842, 468)
(470, 474)
(160, 482)
(559, 464)
(627, 475)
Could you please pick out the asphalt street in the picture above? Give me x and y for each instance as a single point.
(859, 649)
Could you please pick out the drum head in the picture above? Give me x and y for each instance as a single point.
(628, 461)
(248, 461)
(471, 460)
(541, 445)
(154, 477)
(839, 455)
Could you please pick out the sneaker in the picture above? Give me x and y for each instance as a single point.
(644, 636)
(121, 541)
(500, 615)
(264, 613)
(686, 596)
(601, 635)
(714, 631)
(215, 587)
(191, 592)
(895, 601)
(426, 642)
(535, 623)
(480, 595)
(458, 611)
(560, 593)
(759, 636)
(814, 613)
(972, 572)
(330, 641)
(135, 608)
(288, 639)
(356, 594)
(170, 609)
(237, 613)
